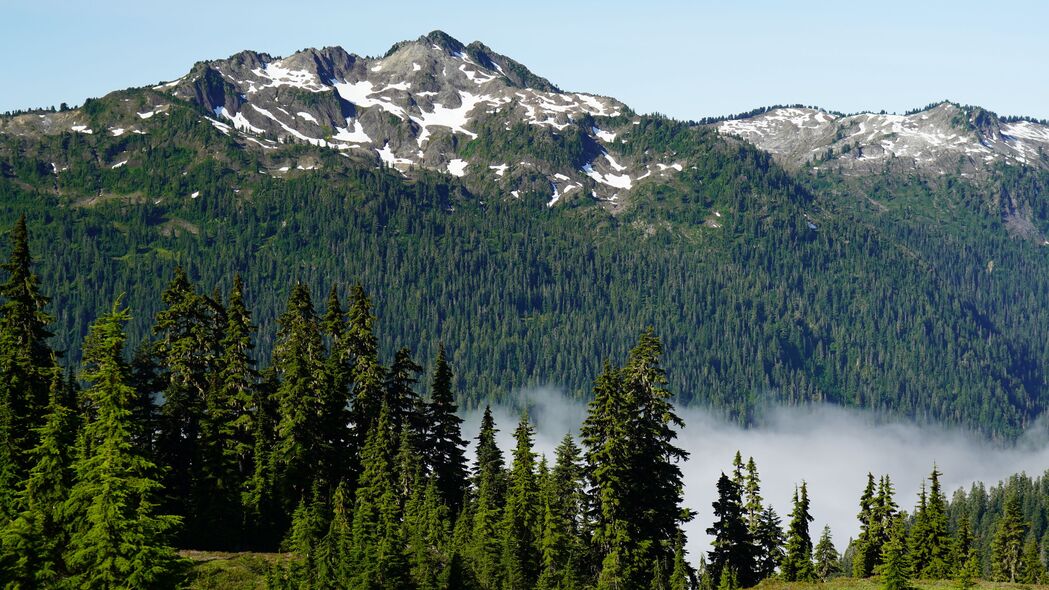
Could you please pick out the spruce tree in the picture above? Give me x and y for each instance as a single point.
(117, 540)
(445, 448)
(31, 545)
(338, 442)
(918, 536)
(868, 546)
(828, 562)
(484, 550)
(1033, 568)
(562, 543)
(968, 571)
(521, 514)
(752, 499)
(25, 364)
(368, 374)
(895, 567)
(378, 534)
(406, 409)
(334, 566)
(298, 358)
(769, 540)
(797, 563)
(1007, 544)
(732, 547)
(930, 543)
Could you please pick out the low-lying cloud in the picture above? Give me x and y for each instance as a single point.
(829, 447)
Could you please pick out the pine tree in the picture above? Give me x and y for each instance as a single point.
(769, 540)
(895, 567)
(298, 357)
(446, 454)
(117, 540)
(797, 564)
(1007, 545)
(828, 562)
(521, 515)
(732, 547)
(25, 364)
(31, 545)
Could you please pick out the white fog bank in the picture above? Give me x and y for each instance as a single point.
(829, 447)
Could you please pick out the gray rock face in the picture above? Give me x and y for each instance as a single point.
(941, 140)
(417, 106)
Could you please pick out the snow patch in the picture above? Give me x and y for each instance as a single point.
(239, 120)
(499, 170)
(357, 135)
(82, 129)
(308, 117)
(118, 165)
(457, 167)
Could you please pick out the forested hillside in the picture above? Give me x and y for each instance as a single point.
(902, 295)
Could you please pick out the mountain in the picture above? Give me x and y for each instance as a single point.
(537, 231)
(941, 139)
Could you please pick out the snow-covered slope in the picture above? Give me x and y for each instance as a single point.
(418, 106)
(943, 139)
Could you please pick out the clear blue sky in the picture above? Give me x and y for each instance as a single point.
(684, 59)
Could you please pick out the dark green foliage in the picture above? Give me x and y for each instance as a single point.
(484, 550)
(868, 544)
(116, 538)
(563, 543)
(895, 566)
(1007, 545)
(732, 549)
(768, 536)
(827, 560)
(522, 515)
(445, 449)
(930, 545)
(797, 562)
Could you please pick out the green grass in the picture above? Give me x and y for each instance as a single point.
(213, 570)
(874, 584)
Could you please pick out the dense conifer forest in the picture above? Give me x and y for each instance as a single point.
(895, 294)
(353, 462)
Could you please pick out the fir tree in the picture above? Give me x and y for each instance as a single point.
(797, 564)
(681, 576)
(31, 545)
(562, 544)
(339, 444)
(334, 568)
(304, 541)
(521, 516)
(868, 544)
(769, 540)
(895, 567)
(117, 539)
(445, 448)
(1033, 568)
(298, 358)
(828, 562)
(484, 549)
(1007, 544)
(968, 571)
(732, 547)
(378, 535)
(368, 374)
(25, 364)
(752, 497)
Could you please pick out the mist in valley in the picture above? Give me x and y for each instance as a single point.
(829, 447)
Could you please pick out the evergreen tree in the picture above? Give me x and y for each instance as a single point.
(521, 515)
(918, 536)
(31, 545)
(895, 567)
(304, 541)
(185, 350)
(25, 364)
(769, 540)
(484, 550)
(752, 497)
(562, 543)
(968, 571)
(117, 540)
(406, 409)
(1033, 568)
(338, 441)
(378, 534)
(445, 448)
(868, 546)
(334, 568)
(681, 576)
(797, 564)
(429, 531)
(930, 543)
(1007, 545)
(828, 562)
(298, 359)
(732, 547)
(368, 374)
